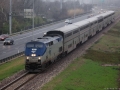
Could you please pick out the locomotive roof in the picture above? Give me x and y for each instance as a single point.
(47, 39)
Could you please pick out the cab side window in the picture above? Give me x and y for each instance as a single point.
(60, 49)
(50, 43)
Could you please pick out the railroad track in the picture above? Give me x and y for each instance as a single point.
(19, 82)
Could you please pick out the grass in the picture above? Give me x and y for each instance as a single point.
(12, 67)
(87, 73)
(110, 42)
(88, 76)
(103, 57)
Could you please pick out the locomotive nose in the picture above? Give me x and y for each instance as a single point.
(32, 59)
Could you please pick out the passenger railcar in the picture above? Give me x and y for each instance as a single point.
(57, 43)
(93, 26)
(69, 34)
(84, 30)
(100, 22)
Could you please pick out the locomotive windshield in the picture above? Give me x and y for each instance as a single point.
(37, 48)
(36, 45)
(30, 45)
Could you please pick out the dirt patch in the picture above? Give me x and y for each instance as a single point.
(110, 65)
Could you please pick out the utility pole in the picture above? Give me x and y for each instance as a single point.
(33, 21)
(10, 18)
(61, 5)
(74, 8)
(102, 2)
(92, 2)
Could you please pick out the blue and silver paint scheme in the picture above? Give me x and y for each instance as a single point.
(42, 51)
(34, 51)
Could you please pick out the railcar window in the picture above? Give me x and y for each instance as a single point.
(50, 43)
(75, 31)
(106, 17)
(91, 24)
(60, 49)
(38, 45)
(95, 22)
(30, 45)
(69, 34)
(84, 27)
(100, 20)
(70, 45)
(50, 52)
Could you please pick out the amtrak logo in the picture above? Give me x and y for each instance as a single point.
(33, 50)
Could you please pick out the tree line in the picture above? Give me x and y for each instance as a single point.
(45, 12)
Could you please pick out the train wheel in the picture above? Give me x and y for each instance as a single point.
(64, 54)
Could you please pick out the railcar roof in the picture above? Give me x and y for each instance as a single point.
(107, 13)
(92, 19)
(76, 25)
(81, 23)
(67, 28)
(99, 16)
(104, 14)
(111, 12)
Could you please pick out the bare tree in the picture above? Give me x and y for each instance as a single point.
(3, 13)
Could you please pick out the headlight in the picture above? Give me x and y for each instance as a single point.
(33, 55)
(27, 57)
(39, 58)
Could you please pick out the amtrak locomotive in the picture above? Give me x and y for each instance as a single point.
(57, 43)
(43, 51)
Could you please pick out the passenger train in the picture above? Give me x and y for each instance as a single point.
(59, 42)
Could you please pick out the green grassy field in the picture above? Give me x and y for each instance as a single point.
(84, 74)
(12, 67)
(87, 72)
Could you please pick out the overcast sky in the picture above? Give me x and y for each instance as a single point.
(87, 1)
(82, 1)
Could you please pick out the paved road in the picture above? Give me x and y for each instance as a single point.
(21, 39)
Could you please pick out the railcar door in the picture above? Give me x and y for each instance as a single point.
(74, 44)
